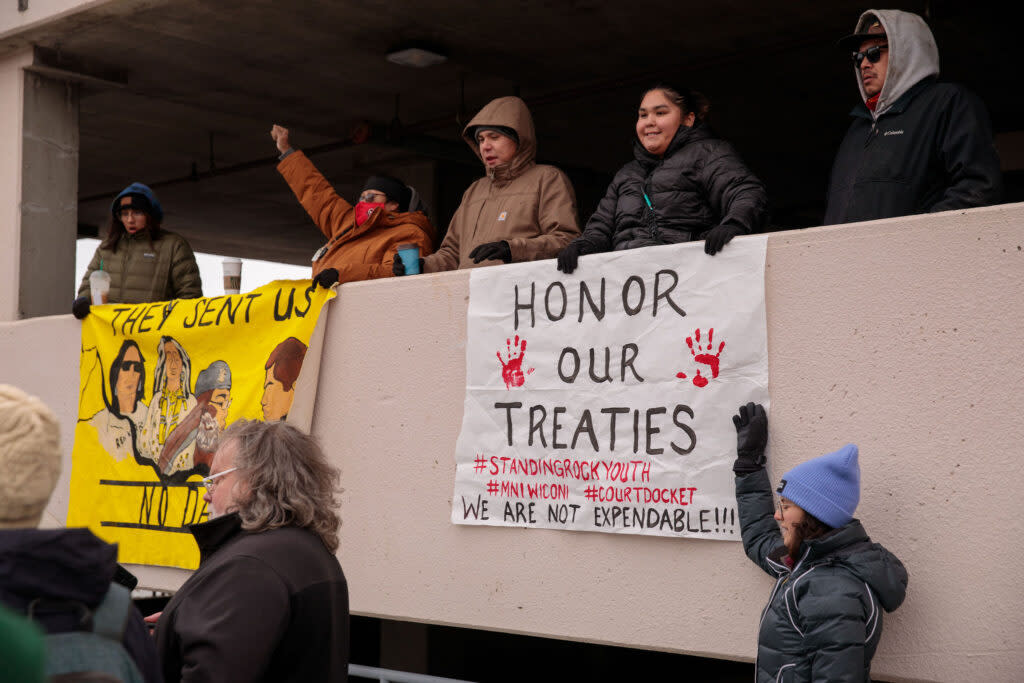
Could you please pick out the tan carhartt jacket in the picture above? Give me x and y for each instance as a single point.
(531, 206)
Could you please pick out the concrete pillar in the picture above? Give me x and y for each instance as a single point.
(49, 196)
(12, 81)
(38, 191)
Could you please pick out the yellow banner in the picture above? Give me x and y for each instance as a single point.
(159, 382)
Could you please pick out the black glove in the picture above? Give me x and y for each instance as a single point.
(751, 438)
(492, 250)
(717, 237)
(398, 268)
(326, 277)
(80, 307)
(569, 257)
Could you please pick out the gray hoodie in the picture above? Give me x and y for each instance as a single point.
(913, 54)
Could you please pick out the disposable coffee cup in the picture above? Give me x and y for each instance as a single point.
(410, 255)
(99, 287)
(232, 275)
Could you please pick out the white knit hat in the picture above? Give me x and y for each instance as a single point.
(30, 457)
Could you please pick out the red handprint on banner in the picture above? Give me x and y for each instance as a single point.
(512, 366)
(703, 356)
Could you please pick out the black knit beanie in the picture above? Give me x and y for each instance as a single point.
(394, 188)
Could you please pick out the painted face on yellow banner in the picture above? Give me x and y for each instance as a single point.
(276, 400)
(128, 380)
(172, 366)
(221, 401)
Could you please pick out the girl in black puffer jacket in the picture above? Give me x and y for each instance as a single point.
(823, 620)
(683, 184)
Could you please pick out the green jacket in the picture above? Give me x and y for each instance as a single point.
(141, 272)
(823, 620)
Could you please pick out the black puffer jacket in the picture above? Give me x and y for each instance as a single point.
(823, 620)
(699, 183)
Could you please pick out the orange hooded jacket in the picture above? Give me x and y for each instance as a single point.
(363, 252)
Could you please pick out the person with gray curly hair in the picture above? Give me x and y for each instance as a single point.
(269, 600)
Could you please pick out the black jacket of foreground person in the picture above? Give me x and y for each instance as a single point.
(267, 606)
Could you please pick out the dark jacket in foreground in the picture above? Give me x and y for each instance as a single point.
(268, 606)
(142, 271)
(823, 620)
(67, 565)
(699, 183)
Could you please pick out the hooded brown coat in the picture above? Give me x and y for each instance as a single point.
(362, 252)
(531, 206)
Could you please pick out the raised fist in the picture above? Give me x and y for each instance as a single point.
(280, 135)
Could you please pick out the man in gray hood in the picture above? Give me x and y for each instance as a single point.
(915, 145)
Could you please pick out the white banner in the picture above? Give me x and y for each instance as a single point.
(603, 400)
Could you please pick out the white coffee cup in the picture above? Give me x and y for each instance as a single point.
(99, 286)
(232, 275)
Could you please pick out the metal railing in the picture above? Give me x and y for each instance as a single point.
(392, 676)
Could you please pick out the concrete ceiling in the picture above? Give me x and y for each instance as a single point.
(191, 88)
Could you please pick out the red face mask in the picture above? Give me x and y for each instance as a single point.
(364, 210)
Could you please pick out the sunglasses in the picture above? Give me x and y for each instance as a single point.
(872, 54)
(131, 365)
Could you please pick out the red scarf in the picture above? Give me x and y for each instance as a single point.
(365, 209)
(872, 101)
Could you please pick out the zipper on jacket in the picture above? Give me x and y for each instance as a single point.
(779, 583)
(764, 613)
(127, 247)
(872, 134)
(652, 226)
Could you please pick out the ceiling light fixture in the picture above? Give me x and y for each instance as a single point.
(417, 55)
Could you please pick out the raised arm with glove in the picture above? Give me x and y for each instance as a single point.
(751, 438)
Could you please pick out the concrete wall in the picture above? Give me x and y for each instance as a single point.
(901, 335)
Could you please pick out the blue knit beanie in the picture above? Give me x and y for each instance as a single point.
(827, 487)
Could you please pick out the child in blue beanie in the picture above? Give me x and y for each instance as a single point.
(824, 617)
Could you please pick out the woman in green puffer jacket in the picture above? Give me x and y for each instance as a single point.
(145, 262)
(823, 620)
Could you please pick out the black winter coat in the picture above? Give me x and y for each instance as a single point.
(823, 620)
(68, 565)
(269, 606)
(698, 184)
(931, 151)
